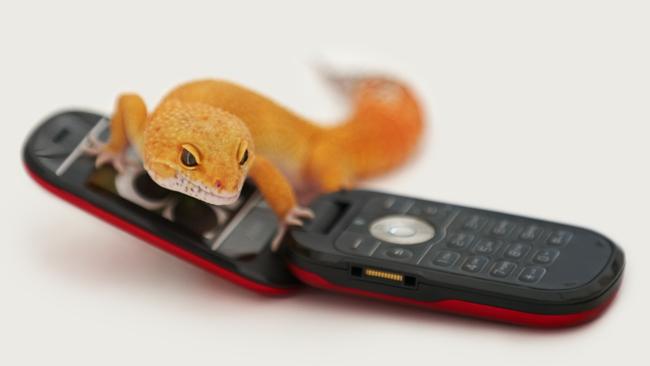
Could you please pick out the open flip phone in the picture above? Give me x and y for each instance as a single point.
(434, 255)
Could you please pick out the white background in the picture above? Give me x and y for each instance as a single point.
(533, 108)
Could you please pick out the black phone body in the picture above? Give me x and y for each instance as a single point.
(231, 241)
(456, 259)
(435, 255)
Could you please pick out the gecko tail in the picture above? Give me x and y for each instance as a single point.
(384, 126)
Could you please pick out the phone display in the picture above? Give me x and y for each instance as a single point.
(235, 236)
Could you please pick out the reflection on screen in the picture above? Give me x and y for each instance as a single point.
(239, 230)
(134, 184)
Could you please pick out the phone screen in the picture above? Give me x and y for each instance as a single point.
(237, 230)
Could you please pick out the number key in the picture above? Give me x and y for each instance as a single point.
(546, 256)
(474, 222)
(532, 274)
(475, 263)
(531, 232)
(487, 246)
(517, 251)
(445, 258)
(560, 238)
(460, 240)
(502, 228)
(503, 269)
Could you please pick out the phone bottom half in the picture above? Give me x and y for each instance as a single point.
(344, 280)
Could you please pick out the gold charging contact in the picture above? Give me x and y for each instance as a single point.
(384, 275)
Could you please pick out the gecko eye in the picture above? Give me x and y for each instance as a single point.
(244, 158)
(188, 159)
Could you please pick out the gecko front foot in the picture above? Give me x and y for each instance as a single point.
(105, 155)
(293, 217)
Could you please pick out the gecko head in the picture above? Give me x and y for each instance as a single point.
(199, 150)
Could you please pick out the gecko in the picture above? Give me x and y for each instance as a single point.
(205, 137)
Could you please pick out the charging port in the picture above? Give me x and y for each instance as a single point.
(380, 275)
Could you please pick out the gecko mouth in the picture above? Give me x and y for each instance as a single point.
(183, 184)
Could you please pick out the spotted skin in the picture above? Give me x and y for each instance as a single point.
(205, 137)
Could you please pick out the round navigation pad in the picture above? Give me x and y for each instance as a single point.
(401, 229)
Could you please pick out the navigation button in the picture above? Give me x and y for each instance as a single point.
(359, 224)
(399, 253)
(420, 209)
(401, 229)
(354, 243)
(388, 204)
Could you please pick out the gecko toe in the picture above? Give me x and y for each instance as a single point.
(116, 160)
(296, 214)
(293, 218)
(277, 239)
(308, 213)
(293, 221)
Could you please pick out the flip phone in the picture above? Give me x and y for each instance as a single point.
(434, 255)
(455, 259)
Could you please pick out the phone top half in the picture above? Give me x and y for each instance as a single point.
(232, 241)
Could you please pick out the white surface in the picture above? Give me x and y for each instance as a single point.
(533, 109)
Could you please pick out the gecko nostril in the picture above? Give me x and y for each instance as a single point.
(218, 183)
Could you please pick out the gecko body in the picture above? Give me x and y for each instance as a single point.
(205, 137)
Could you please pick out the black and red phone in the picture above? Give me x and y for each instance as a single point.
(455, 259)
(434, 255)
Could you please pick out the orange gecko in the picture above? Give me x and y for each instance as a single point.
(206, 136)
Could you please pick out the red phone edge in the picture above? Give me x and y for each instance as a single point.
(461, 307)
(160, 242)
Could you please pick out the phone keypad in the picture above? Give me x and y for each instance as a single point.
(546, 256)
(532, 274)
(502, 269)
(460, 240)
(475, 222)
(475, 264)
(487, 246)
(399, 253)
(445, 258)
(560, 238)
(517, 251)
(530, 233)
(402, 229)
(466, 241)
(359, 244)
